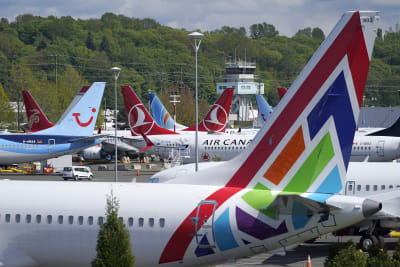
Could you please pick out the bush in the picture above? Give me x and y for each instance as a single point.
(348, 256)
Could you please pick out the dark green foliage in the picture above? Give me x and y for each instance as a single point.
(36, 51)
(89, 42)
(113, 245)
(396, 253)
(348, 256)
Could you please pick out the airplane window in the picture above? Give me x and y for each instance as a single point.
(390, 186)
(8, 218)
(80, 220)
(359, 187)
(130, 221)
(162, 222)
(397, 186)
(382, 187)
(151, 222)
(70, 219)
(18, 218)
(141, 222)
(100, 220)
(60, 219)
(49, 219)
(375, 187)
(38, 218)
(350, 187)
(28, 218)
(367, 187)
(90, 220)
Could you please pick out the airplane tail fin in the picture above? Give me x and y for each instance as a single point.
(218, 116)
(160, 113)
(281, 92)
(306, 144)
(264, 109)
(80, 117)
(393, 130)
(37, 120)
(140, 120)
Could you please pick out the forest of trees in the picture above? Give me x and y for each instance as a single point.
(53, 57)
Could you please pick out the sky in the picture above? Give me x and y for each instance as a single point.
(287, 16)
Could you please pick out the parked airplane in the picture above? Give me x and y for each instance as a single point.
(215, 120)
(264, 109)
(163, 119)
(38, 121)
(280, 191)
(73, 132)
(161, 115)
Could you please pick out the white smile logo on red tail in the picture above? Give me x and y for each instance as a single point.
(217, 119)
(137, 123)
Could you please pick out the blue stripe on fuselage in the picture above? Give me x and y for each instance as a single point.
(336, 103)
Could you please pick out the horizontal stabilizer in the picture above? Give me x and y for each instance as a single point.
(313, 206)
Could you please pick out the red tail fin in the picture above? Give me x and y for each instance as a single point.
(36, 119)
(217, 118)
(281, 92)
(140, 121)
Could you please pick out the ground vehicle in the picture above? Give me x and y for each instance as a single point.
(77, 172)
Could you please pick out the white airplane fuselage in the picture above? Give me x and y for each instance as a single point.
(375, 148)
(46, 239)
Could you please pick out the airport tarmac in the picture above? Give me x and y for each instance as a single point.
(295, 257)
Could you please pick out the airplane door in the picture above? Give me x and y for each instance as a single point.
(380, 149)
(350, 188)
(204, 223)
(52, 145)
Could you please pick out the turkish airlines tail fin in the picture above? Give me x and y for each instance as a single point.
(218, 116)
(37, 120)
(140, 121)
(264, 109)
(80, 117)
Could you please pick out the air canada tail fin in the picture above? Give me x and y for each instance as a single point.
(393, 130)
(264, 109)
(80, 117)
(140, 121)
(218, 116)
(37, 120)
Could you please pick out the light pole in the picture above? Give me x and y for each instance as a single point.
(196, 37)
(116, 71)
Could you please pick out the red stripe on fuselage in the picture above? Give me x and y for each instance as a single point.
(180, 240)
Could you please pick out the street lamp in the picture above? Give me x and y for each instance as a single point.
(116, 71)
(196, 37)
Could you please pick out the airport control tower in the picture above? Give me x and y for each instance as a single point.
(240, 76)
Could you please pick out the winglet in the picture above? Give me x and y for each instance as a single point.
(148, 143)
(393, 130)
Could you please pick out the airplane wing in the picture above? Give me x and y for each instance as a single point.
(85, 139)
(150, 144)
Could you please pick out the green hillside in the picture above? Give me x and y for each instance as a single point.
(53, 57)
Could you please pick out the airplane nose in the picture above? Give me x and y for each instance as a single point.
(370, 207)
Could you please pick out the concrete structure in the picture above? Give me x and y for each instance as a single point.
(240, 76)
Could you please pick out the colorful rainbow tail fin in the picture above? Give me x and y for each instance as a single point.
(306, 144)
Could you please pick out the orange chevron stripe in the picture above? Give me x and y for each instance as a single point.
(286, 158)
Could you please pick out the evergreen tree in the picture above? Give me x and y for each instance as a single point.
(89, 42)
(105, 45)
(6, 112)
(113, 245)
